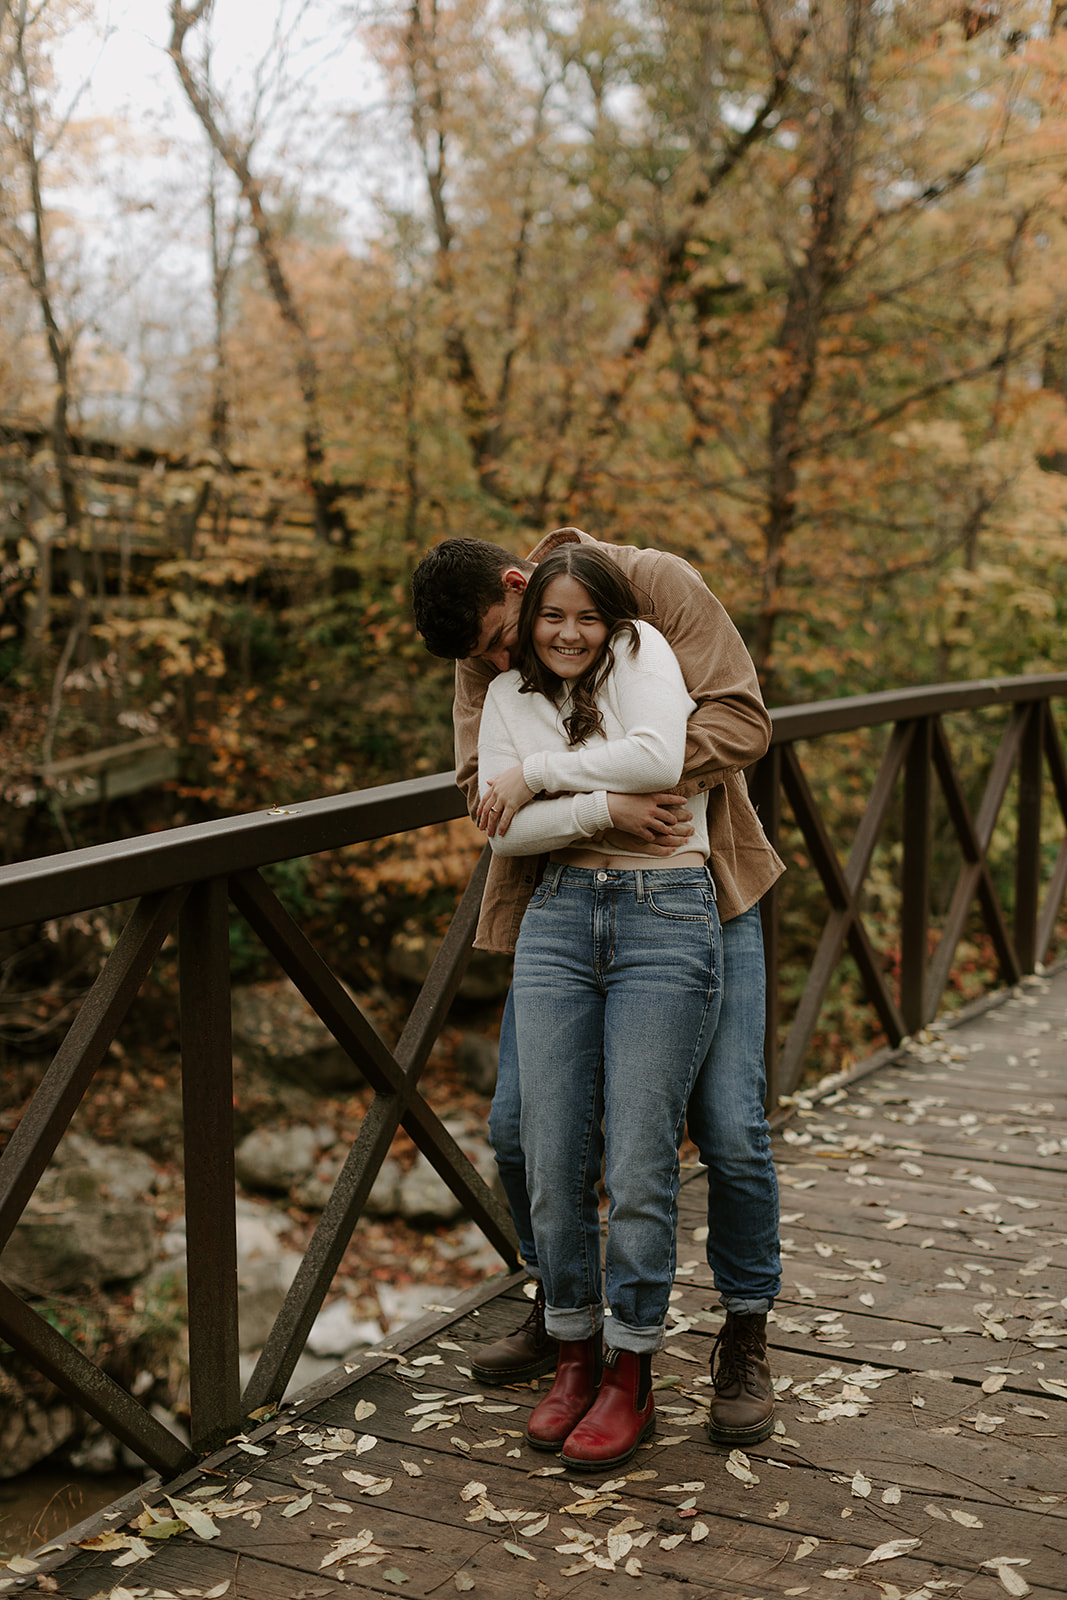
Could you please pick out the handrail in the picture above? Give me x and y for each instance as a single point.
(918, 750)
(185, 878)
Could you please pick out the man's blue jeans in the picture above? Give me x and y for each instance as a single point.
(726, 1122)
(617, 988)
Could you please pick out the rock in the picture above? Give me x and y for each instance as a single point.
(265, 1271)
(401, 1306)
(469, 1244)
(98, 1454)
(476, 1058)
(30, 1434)
(274, 1158)
(77, 1230)
(276, 1029)
(411, 955)
(336, 1331)
(265, 1268)
(384, 1198)
(418, 1192)
(308, 1370)
(123, 1173)
(423, 1194)
(315, 1190)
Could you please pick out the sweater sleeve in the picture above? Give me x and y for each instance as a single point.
(648, 696)
(543, 824)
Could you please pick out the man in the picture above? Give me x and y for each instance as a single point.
(467, 596)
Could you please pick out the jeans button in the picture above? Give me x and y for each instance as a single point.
(601, 877)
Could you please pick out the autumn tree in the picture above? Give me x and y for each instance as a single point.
(724, 276)
(237, 150)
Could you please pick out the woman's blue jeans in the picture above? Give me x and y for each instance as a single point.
(617, 988)
(726, 1122)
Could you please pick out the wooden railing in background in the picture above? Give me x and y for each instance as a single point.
(185, 880)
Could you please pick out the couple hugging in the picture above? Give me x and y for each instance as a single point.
(605, 710)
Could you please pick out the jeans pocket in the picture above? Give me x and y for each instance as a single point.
(540, 897)
(681, 902)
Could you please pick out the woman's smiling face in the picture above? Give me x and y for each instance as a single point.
(568, 633)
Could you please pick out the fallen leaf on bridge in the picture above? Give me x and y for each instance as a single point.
(891, 1550)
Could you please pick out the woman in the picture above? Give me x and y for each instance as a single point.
(617, 981)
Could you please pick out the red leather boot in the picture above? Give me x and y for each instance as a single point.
(622, 1417)
(574, 1391)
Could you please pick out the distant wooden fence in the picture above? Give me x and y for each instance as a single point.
(186, 878)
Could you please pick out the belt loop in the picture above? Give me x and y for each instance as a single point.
(639, 882)
(554, 871)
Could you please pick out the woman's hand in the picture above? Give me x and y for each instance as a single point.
(661, 821)
(504, 795)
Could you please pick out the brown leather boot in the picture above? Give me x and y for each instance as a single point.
(622, 1416)
(742, 1409)
(527, 1353)
(566, 1403)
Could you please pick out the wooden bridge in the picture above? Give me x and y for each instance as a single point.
(920, 1350)
(919, 1343)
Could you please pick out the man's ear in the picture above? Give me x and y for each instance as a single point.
(515, 579)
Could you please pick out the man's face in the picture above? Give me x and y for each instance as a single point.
(500, 624)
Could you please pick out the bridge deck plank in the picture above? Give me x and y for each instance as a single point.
(973, 1475)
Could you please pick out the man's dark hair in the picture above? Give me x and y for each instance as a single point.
(453, 587)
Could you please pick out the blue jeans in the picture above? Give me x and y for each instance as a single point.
(617, 988)
(726, 1122)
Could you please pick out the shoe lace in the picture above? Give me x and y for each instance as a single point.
(734, 1353)
(536, 1319)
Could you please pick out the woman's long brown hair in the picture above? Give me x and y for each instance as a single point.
(615, 601)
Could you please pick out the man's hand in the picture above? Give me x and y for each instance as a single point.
(503, 796)
(662, 822)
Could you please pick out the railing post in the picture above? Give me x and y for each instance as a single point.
(210, 1219)
(765, 789)
(915, 875)
(1028, 838)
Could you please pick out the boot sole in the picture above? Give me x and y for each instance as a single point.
(741, 1436)
(533, 1369)
(549, 1446)
(612, 1461)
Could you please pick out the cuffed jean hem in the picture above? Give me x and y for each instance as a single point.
(584, 1322)
(745, 1308)
(638, 1341)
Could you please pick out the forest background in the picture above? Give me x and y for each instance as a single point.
(776, 286)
